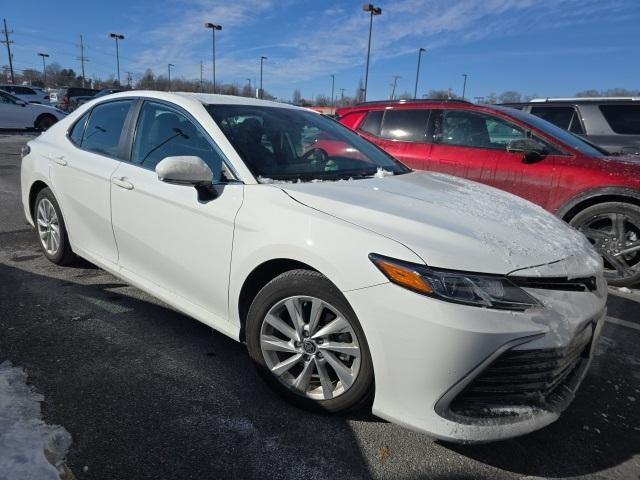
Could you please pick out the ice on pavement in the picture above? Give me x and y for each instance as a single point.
(29, 448)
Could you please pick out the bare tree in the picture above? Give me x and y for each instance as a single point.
(510, 96)
(296, 98)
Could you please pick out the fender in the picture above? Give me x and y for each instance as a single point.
(597, 195)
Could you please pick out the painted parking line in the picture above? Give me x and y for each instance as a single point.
(622, 323)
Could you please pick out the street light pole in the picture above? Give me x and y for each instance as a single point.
(260, 93)
(464, 85)
(368, 7)
(169, 68)
(117, 37)
(333, 83)
(415, 90)
(213, 28)
(44, 69)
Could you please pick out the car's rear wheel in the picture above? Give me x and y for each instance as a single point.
(614, 230)
(308, 345)
(51, 229)
(45, 121)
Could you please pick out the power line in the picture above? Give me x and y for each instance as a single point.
(8, 43)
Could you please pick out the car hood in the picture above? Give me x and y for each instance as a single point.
(454, 223)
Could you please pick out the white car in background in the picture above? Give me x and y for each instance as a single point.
(475, 311)
(27, 93)
(16, 113)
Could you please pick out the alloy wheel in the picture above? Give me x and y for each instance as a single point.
(617, 238)
(310, 347)
(48, 226)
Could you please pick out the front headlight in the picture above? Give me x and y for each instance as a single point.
(482, 290)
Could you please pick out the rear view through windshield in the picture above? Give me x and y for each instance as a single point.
(292, 144)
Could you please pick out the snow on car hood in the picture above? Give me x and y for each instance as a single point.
(455, 223)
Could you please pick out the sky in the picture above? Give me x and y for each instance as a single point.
(536, 47)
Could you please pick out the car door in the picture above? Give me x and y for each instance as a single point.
(460, 144)
(81, 169)
(166, 235)
(473, 145)
(14, 113)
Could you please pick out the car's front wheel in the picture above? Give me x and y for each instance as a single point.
(307, 343)
(45, 121)
(614, 230)
(51, 228)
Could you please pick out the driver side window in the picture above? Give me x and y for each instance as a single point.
(163, 131)
(474, 129)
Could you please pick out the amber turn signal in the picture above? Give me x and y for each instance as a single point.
(401, 275)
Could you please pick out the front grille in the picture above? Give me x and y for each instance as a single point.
(525, 378)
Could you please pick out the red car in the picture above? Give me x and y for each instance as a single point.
(523, 154)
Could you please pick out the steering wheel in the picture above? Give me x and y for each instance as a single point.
(319, 154)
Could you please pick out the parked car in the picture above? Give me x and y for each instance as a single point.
(54, 98)
(16, 113)
(332, 271)
(27, 93)
(70, 93)
(518, 152)
(77, 101)
(612, 123)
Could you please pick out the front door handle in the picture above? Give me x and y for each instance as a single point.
(122, 183)
(59, 159)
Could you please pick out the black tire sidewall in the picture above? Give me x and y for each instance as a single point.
(628, 209)
(314, 284)
(43, 118)
(64, 254)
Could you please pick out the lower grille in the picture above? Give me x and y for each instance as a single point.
(524, 378)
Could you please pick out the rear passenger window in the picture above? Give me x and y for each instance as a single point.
(102, 134)
(623, 119)
(372, 122)
(409, 125)
(75, 135)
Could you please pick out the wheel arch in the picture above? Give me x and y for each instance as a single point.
(36, 188)
(41, 116)
(596, 196)
(258, 278)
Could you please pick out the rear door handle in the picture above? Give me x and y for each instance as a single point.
(59, 159)
(122, 183)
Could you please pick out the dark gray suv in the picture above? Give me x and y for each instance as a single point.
(611, 123)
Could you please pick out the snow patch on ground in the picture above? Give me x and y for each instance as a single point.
(29, 448)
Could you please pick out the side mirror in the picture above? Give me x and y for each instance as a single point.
(185, 170)
(188, 170)
(532, 151)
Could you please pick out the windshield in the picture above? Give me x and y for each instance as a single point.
(553, 131)
(292, 144)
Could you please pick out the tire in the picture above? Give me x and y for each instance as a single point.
(44, 122)
(47, 218)
(614, 227)
(306, 289)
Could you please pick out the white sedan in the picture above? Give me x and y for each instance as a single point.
(16, 113)
(475, 311)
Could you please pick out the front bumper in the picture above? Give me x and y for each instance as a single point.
(428, 353)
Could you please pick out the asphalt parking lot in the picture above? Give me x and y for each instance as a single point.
(149, 393)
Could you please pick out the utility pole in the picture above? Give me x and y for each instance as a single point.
(464, 86)
(249, 82)
(415, 90)
(44, 68)
(333, 82)
(260, 93)
(129, 78)
(169, 65)
(82, 59)
(478, 99)
(201, 84)
(395, 82)
(367, 7)
(342, 94)
(8, 43)
(117, 37)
